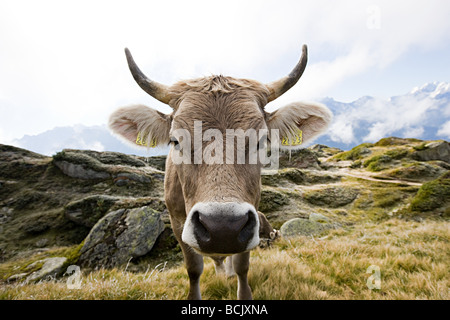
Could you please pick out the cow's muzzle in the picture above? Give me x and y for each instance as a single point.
(221, 228)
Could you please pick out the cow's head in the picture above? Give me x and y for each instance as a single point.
(220, 194)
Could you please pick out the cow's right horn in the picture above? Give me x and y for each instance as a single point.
(156, 90)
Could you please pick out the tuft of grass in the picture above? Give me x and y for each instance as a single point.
(355, 153)
(421, 146)
(390, 141)
(412, 258)
(398, 153)
(377, 163)
(432, 195)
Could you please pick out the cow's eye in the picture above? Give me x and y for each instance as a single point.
(262, 143)
(175, 143)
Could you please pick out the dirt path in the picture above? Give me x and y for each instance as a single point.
(366, 176)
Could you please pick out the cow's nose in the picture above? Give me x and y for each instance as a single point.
(219, 230)
(221, 233)
(232, 227)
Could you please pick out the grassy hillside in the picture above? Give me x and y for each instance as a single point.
(385, 205)
(413, 258)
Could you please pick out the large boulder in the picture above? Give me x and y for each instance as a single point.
(333, 197)
(93, 165)
(438, 150)
(297, 176)
(416, 171)
(80, 171)
(51, 267)
(158, 162)
(89, 210)
(121, 235)
(316, 224)
(272, 200)
(302, 158)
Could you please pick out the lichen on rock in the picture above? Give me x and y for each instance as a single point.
(121, 235)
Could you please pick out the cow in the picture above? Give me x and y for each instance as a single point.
(213, 207)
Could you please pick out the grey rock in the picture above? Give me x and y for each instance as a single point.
(121, 177)
(144, 227)
(80, 171)
(85, 164)
(333, 197)
(272, 200)
(17, 277)
(89, 210)
(5, 214)
(302, 158)
(41, 242)
(302, 227)
(158, 162)
(323, 150)
(121, 235)
(317, 217)
(439, 150)
(51, 268)
(297, 176)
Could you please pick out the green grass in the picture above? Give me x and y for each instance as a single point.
(390, 141)
(377, 163)
(433, 194)
(413, 259)
(353, 154)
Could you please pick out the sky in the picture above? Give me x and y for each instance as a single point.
(62, 62)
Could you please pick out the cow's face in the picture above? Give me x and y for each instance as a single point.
(217, 131)
(221, 194)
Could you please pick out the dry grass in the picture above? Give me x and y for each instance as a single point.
(413, 258)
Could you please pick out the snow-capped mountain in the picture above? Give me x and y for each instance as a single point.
(433, 89)
(423, 113)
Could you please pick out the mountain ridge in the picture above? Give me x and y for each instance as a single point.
(423, 113)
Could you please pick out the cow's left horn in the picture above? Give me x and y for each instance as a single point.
(156, 90)
(277, 88)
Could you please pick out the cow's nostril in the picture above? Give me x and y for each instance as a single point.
(221, 228)
(201, 231)
(247, 231)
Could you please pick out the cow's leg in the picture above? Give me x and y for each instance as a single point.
(192, 260)
(229, 267)
(219, 265)
(194, 266)
(224, 265)
(241, 264)
(173, 195)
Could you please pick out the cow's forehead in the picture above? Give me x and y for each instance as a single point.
(224, 111)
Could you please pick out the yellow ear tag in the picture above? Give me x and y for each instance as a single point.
(140, 140)
(297, 139)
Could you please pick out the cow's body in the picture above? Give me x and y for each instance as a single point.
(213, 206)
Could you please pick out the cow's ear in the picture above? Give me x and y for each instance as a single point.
(141, 125)
(299, 122)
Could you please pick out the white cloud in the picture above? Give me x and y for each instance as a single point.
(413, 132)
(444, 130)
(341, 131)
(404, 113)
(411, 115)
(81, 144)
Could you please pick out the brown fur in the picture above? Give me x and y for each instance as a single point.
(219, 103)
